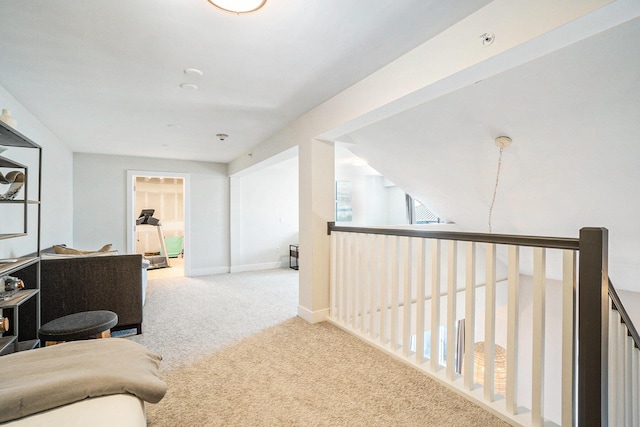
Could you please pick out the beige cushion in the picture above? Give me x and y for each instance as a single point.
(90, 254)
(59, 249)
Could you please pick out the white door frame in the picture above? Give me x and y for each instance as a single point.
(131, 215)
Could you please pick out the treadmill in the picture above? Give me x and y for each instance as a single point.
(146, 218)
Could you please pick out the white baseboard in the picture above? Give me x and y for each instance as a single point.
(313, 316)
(238, 268)
(261, 266)
(207, 271)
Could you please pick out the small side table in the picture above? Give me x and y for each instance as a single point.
(294, 254)
(78, 326)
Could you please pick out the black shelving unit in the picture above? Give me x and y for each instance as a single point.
(20, 217)
(294, 254)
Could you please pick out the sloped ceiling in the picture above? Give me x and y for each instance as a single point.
(574, 117)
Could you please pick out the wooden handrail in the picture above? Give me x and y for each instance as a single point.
(505, 239)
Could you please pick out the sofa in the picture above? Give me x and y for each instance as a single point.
(98, 383)
(71, 284)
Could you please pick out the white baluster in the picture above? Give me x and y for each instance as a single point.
(470, 314)
(361, 284)
(374, 278)
(452, 278)
(332, 277)
(408, 279)
(341, 278)
(537, 394)
(384, 290)
(351, 260)
(420, 303)
(513, 314)
(367, 254)
(628, 386)
(435, 307)
(394, 295)
(635, 380)
(621, 334)
(613, 366)
(568, 333)
(621, 338)
(490, 322)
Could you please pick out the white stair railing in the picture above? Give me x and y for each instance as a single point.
(406, 292)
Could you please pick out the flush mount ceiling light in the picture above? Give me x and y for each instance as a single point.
(238, 6)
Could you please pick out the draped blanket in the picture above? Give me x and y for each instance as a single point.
(36, 380)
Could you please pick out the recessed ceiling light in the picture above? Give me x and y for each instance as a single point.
(238, 6)
(188, 86)
(193, 72)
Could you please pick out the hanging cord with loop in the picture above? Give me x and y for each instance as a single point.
(495, 188)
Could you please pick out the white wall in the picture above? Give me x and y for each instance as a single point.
(100, 200)
(374, 199)
(397, 206)
(57, 188)
(265, 214)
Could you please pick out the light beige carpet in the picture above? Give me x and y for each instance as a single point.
(290, 374)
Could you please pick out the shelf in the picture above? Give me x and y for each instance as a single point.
(22, 346)
(19, 264)
(12, 235)
(18, 298)
(21, 217)
(9, 137)
(6, 163)
(21, 201)
(5, 342)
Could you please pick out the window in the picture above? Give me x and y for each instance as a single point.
(418, 213)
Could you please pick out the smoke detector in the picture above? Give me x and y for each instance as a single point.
(488, 38)
(222, 136)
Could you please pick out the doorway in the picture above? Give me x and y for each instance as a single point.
(166, 195)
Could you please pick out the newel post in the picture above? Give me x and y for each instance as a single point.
(593, 328)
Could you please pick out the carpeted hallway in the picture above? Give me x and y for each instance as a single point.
(235, 354)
